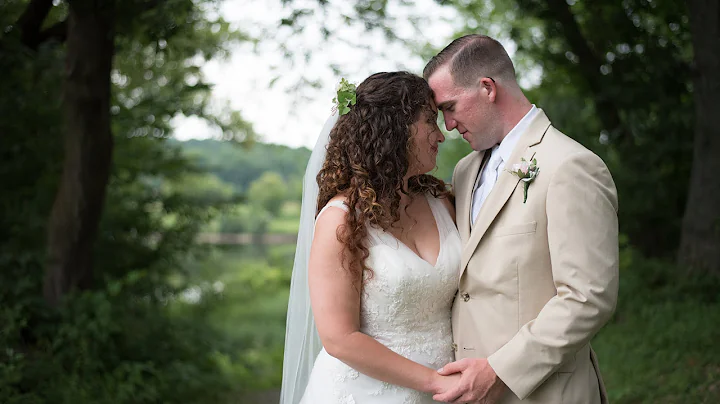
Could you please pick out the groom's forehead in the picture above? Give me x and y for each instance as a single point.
(442, 85)
(442, 77)
(440, 96)
(445, 97)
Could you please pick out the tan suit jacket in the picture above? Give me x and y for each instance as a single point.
(538, 279)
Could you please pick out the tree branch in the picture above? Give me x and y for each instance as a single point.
(31, 20)
(132, 11)
(589, 65)
(149, 5)
(57, 32)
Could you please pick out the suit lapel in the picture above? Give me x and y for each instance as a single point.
(505, 185)
(464, 196)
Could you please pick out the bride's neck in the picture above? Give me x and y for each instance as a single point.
(405, 200)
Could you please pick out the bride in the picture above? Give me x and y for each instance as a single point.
(378, 254)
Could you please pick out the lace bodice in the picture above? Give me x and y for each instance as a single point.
(406, 306)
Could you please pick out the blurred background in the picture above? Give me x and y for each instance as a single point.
(152, 151)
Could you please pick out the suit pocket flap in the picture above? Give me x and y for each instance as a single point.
(521, 228)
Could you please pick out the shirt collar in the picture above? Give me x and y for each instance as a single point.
(508, 143)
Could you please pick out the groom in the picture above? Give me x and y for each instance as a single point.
(537, 213)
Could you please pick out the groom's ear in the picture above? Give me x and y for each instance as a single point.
(488, 87)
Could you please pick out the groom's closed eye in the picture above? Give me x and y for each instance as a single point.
(447, 106)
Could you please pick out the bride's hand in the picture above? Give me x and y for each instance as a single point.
(442, 384)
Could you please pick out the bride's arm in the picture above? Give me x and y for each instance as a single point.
(335, 300)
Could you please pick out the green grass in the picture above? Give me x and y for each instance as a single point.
(663, 344)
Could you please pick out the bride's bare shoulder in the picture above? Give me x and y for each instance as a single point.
(328, 222)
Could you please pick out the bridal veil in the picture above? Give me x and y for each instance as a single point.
(302, 342)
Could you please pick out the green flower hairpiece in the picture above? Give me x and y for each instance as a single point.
(345, 97)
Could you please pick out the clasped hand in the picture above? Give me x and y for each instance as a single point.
(469, 381)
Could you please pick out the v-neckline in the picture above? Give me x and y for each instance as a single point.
(439, 233)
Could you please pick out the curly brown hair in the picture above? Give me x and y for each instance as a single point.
(367, 159)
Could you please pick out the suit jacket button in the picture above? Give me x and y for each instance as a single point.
(466, 296)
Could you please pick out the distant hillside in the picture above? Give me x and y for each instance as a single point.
(240, 165)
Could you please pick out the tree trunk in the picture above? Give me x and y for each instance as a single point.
(78, 205)
(700, 238)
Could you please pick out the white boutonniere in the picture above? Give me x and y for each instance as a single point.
(526, 172)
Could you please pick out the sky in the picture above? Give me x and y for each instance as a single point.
(294, 116)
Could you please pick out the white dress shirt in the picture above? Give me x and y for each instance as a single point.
(499, 155)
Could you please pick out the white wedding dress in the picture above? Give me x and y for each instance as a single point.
(405, 306)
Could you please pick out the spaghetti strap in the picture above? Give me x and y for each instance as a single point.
(441, 214)
(335, 204)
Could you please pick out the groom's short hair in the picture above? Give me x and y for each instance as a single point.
(472, 57)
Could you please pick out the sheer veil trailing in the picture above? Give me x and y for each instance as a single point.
(302, 343)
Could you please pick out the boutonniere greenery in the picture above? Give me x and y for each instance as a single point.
(345, 97)
(526, 171)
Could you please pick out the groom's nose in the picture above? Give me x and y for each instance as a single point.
(450, 123)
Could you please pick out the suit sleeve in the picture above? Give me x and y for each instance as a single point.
(582, 229)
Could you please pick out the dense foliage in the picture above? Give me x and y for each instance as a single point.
(131, 337)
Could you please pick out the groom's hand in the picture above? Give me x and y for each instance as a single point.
(478, 383)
